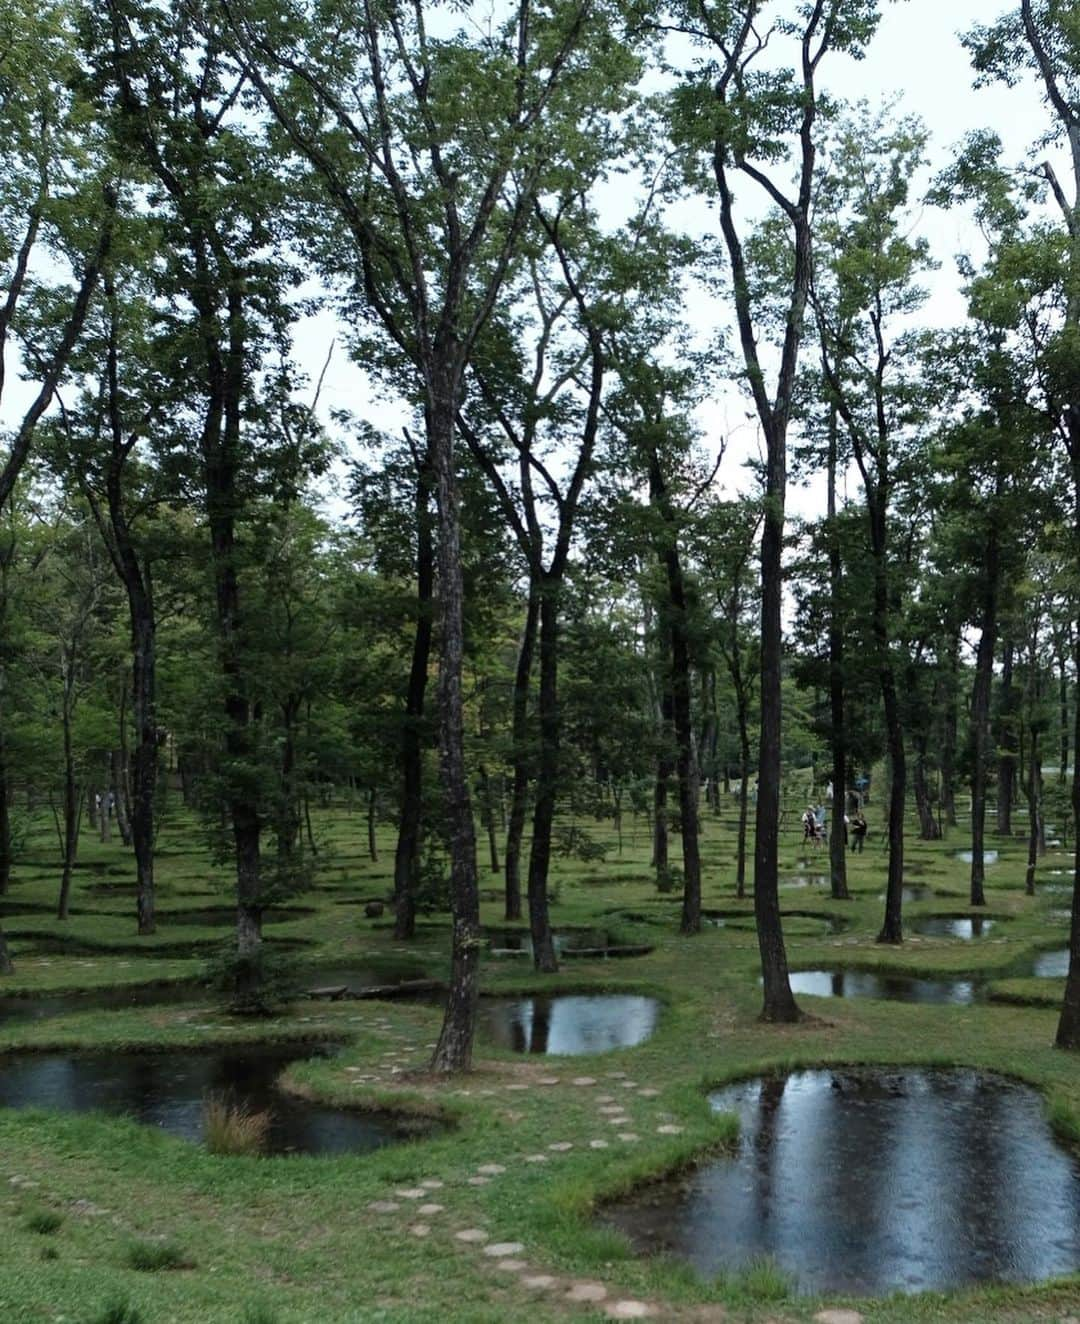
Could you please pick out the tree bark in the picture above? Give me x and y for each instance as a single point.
(1006, 745)
(5, 814)
(487, 810)
(744, 795)
(929, 828)
(892, 929)
(1063, 707)
(837, 704)
(454, 1049)
(547, 777)
(373, 851)
(980, 715)
(407, 851)
(1034, 802)
(519, 795)
(949, 739)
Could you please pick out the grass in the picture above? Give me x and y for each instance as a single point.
(233, 1128)
(44, 1222)
(300, 1232)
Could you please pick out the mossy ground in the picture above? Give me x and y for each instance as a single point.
(296, 1239)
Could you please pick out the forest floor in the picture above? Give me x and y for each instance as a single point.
(530, 1151)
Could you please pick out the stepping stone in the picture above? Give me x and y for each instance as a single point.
(669, 1129)
(649, 1093)
(629, 1137)
(517, 1087)
(629, 1310)
(539, 1282)
(412, 1193)
(479, 1181)
(384, 1206)
(420, 1229)
(838, 1317)
(433, 1184)
(499, 1250)
(598, 1144)
(621, 1120)
(561, 1146)
(491, 1169)
(611, 1109)
(472, 1235)
(587, 1292)
(617, 1075)
(511, 1266)
(548, 1080)
(430, 1209)
(628, 1084)
(535, 1158)
(583, 1080)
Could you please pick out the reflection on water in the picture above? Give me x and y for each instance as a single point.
(953, 926)
(989, 856)
(569, 1024)
(891, 988)
(875, 1182)
(167, 1090)
(119, 996)
(1051, 965)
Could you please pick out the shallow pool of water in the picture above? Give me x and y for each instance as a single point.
(889, 988)
(1051, 965)
(591, 943)
(871, 1182)
(569, 1024)
(119, 996)
(989, 856)
(168, 1090)
(953, 926)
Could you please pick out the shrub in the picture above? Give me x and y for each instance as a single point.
(233, 1128)
(153, 1256)
(45, 1222)
(256, 983)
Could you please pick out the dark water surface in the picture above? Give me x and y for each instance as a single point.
(989, 856)
(110, 998)
(567, 942)
(1051, 965)
(953, 926)
(890, 988)
(871, 1182)
(168, 1090)
(570, 1024)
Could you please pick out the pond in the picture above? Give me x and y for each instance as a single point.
(744, 921)
(804, 880)
(872, 1182)
(912, 892)
(579, 943)
(569, 1024)
(989, 856)
(1051, 965)
(953, 926)
(116, 996)
(886, 987)
(168, 1090)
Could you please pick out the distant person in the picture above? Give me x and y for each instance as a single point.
(858, 832)
(820, 825)
(809, 825)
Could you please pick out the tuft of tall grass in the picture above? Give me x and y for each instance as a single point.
(44, 1222)
(233, 1128)
(153, 1256)
(118, 1311)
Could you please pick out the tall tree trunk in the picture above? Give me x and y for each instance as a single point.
(407, 851)
(73, 805)
(837, 704)
(980, 714)
(487, 813)
(1068, 1030)
(1063, 705)
(547, 778)
(1006, 745)
(1033, 789)
(949, 738)
(454, 1049)
(116, 790)
(778, 1002)
(373, 851)
(744, 798)
(288, 815)
(929, 828)
(892, 929)
(519, 795)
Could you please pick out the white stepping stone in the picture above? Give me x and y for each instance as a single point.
(479, 1181)
(491, 1169)
(539, 1282)
(473, 1236)
(598, 1144)
(384, 1206)
(412, 1193)
(628, 1084)
(511, 1266)
(838, 1317)
(611, 1109)
(548, 1080)
(499, 1250)
(629, 1310)
(649, 1093)
(617, 1075)
(587, 1292)
(420, 1229)
(430, 1209)
(433, 1184)
(605, 1098)
(517, 1087)
(561, 1146)
(620, 1120)
(629, 1137)
(583, 1080)
(536, 1158)
(669, 1129)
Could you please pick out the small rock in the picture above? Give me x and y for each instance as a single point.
(384, 1206)
(629, 1137)
(598, 1144)
(472, 1235)
(629, 1310)
(499, 1250)
(583, 1080)
(374, 909)
(420, 1229)
(430, 1209)
(669, 1129)
(491, 1169)
(511, 1266)
(517, 1087)
(628, 1084)
(535, 1158)
(587, 1292)
(433, 1184)
(548, 1080)
(412, 1193)
(561, 1146)
(539, 1282)
(838, 1317)
(649, 1093)
(479, 1181)
(611, 1109)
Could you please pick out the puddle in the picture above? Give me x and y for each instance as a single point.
(581, 943)
(167, 1090)
(912, 892)
(989, 856)
(869, 1182)
(888, 988)
(804, 880)
(953, 926)
(39, 1008)
(1051, 965)
(742, 921)
(569, 1024)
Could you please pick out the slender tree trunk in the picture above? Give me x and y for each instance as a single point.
(980, 716)
(547, 778)
(1068, 1031)
(373, 852)
(288, 816)
(1063, 709)
(929, 828)
(487, 810)
(778, 1003)
(1034, 802)
(1006, 745)
(72, 814)
(744, 799)
(519, 795)
(837, 704)
(407, 852)
(454, 1049)
(5, 814)
(892, 929)
(948, 748)
(116, 785)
